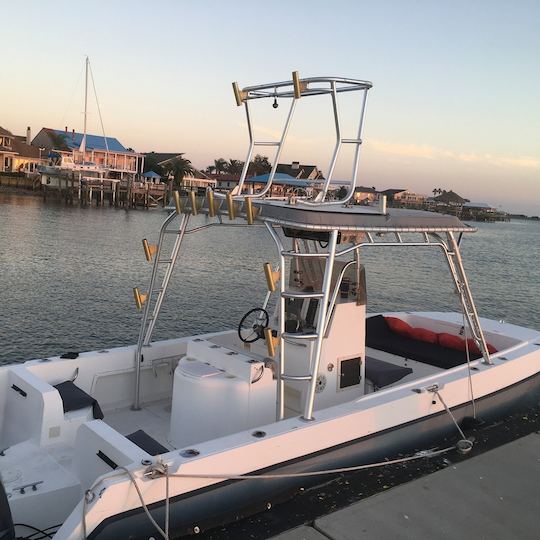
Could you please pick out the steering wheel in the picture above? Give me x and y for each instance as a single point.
(252, 325)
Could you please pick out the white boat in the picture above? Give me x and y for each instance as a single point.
(162, 439)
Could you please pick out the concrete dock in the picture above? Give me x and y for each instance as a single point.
(495, 495)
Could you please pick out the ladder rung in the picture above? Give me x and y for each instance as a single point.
(288, 253)
(290, 335)
(296, 377)
(171, 232)
(164, 261)
(266, 143)
(291, 294)
(351, 141)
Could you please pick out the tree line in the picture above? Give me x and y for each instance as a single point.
(259, 165)
(180, 167)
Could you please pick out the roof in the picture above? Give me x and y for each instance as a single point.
(225, 177)
(364, 189)
(294, 170)
(280, 179)
(151, 174)
(478, 205)
(392, 191)
(162, 157)
(6, 150)
(356, 218)
(93, 142)
(5, 132)
(450, 197)
(25, 150)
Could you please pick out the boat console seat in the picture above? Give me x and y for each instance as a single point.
(382, 374)
(74, 399)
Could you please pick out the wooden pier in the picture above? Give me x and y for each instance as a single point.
(117, 193)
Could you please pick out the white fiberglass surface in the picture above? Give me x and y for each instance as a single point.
(153, 418)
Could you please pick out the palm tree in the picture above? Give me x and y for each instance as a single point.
(179, 168)
(261, 165)
(220, 165)
(210, 169)
(234, 166)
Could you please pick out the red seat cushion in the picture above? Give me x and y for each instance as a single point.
(398, 326)
(473, 347)
(423, 334)
(450, 341)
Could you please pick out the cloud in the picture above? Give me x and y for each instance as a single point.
(424, 151)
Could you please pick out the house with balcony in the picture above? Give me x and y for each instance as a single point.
(17, 155)
(106, 152)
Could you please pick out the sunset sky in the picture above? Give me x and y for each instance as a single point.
(455, 102)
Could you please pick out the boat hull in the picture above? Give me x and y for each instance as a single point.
(232, 500)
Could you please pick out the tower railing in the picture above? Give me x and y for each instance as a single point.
(295, 89)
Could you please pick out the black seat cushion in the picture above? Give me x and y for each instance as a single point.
(384, 373)
(380, 337)
(74, 399)
(147, 443)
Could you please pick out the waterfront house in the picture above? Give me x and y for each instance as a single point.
(404, 197)
(365, 195)
(450, 198)
(17, 155)
(106, 152)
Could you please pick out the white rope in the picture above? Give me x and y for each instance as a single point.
(152, 520)
(418, 455)
(163, 470)
(436, 392)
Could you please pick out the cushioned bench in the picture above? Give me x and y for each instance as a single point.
(382, 374)
(74, 398)
(380, 337)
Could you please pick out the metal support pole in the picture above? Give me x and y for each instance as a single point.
(321, 322)
(250, 151)
(337, 147)
(276, 159)
(280, 402)
(167, 277)
(468, 301)
(143, 333)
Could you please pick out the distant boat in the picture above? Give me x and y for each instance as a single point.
(77, 158)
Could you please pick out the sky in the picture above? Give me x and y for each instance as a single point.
(455, 102)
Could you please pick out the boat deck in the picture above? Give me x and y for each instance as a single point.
(153, 418)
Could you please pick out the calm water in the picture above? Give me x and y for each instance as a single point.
(67, 276)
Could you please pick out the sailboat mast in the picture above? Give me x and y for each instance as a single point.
(83, 142)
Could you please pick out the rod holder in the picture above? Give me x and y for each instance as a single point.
(297, 85)
(272, 277)
(193, 200)
(239, 95)
(211, 203)
(140, 298)
(149, 250)
(177, 202)
(249, 210)
(271, 342)
(230, 206)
